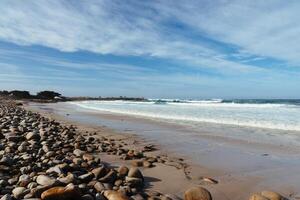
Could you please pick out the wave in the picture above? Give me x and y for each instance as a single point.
(273, 116)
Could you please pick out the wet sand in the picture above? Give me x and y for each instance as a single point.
(241, 166)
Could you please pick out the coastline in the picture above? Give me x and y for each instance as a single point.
(233, 184)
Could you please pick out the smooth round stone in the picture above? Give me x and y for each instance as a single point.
(61, 193)
(20, 192)
(197, 193)
(78, 152)
(45, 180)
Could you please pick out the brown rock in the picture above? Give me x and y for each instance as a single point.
(123, 171)
(272, 195)
(99, 172)
(135, 173)
(197, 193)
(70, 192)
(137, 163)
(114, 195)
(257, 197)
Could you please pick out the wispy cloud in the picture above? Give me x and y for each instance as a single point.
(150, 29)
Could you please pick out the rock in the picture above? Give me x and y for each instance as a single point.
(100, 197)
(135, 173)
(147, 164)
(134, 182)
(197, 193)
(257, 197)
(272, 195)
(6, 160)
(87, 157)
(68, 179)
(99, 187)
(3, 183)
(6, 197)
(70, 192)
(33, 136)
(137, 197)
(137, 163)
(99, 172)
(20, 192)
(37, 192)
(87, 197)
(114, 195)
(45, 180)
(24, 180)
(78, 152)
(86, 177)
(109, 178)
(123, 171)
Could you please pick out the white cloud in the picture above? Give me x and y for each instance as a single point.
(138, 28)
(265, 28)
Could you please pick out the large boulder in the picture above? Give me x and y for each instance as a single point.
(197, 193)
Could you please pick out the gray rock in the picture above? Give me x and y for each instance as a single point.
(6, 197)
(20, 192)
(78, 152)
(45, 180)
(87, 197)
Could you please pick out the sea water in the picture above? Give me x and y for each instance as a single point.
(269, 114)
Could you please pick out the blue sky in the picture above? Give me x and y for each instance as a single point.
(170, 49)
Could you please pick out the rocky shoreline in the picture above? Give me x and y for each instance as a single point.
(42, 159)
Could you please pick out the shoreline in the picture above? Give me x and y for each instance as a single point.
(240, 183)
(168, 178)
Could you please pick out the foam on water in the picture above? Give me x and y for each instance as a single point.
(273, 115)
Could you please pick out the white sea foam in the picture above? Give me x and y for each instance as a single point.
(268, 115)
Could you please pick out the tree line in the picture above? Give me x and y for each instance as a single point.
(19, 94)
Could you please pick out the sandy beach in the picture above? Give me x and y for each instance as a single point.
(241, 167)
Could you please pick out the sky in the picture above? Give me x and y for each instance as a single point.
(150, 48)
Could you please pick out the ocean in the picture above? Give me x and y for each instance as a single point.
(278, 114)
